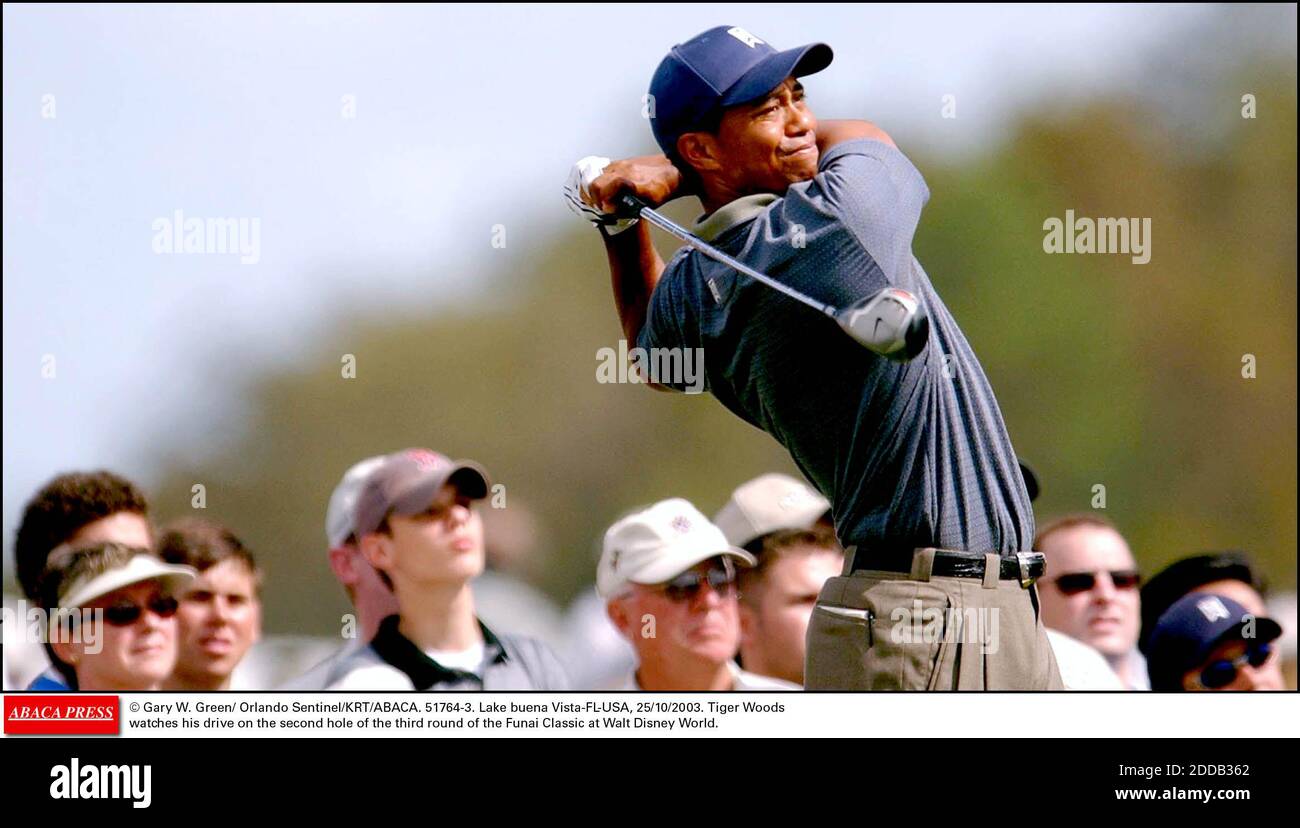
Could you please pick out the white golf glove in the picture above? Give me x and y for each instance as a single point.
(576, 194)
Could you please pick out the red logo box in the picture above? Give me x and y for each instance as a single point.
(62, 715)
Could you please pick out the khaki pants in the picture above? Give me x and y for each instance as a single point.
(897, 631)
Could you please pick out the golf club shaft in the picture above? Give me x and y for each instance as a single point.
(638, 208)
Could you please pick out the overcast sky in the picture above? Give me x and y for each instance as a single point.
(463, 118)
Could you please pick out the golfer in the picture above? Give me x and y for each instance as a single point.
(914, 457)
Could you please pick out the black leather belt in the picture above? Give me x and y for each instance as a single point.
(1025, 567)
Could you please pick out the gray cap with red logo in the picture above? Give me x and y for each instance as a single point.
(407, 482)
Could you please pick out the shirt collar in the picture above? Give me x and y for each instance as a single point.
(731, 214)
(424, 672)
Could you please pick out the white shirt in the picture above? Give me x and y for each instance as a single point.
(1082, 667)
(742, 681)
(1139, 679)
(469, 660)
(365, 670)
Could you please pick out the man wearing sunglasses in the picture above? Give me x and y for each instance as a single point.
(128, 595)
(1091, 592)
(1210, 642)
(415, 523)
(1228, 573)
(668, 577)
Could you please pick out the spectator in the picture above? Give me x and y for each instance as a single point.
(77, 509)
(372, 599)
(777, 598)
(220, 616)
(415, 524)
(767, 504)
(669, 581)
(1211, 642)
(129, 643)
(1091, 591)
(1228, 574)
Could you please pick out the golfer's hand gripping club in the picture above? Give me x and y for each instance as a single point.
(891, 322)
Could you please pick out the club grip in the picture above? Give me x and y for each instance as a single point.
(629, 206)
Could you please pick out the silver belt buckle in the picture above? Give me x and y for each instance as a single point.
(1024, 559)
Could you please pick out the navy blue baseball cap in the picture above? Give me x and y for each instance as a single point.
(1190, 630)
(722, 67)
(1181, 577)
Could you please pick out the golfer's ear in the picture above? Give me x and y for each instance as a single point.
(700, 150)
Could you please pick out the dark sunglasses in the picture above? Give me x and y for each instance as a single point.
(1221, 673)
(687, 586)
(124, 615)
(1077, 582)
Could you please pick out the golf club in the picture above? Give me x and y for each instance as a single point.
(890, 323)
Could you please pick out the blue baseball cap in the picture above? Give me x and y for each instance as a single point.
(1190, 630)
(722, 67)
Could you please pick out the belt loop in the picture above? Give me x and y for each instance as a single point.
(923, 563)
(992, 570)
(850, 555)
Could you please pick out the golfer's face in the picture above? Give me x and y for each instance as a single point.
(769, 144)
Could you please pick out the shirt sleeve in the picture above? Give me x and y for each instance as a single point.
(669, 336)
(877, 194)
(662, 327)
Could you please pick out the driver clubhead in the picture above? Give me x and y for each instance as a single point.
(890, 323)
